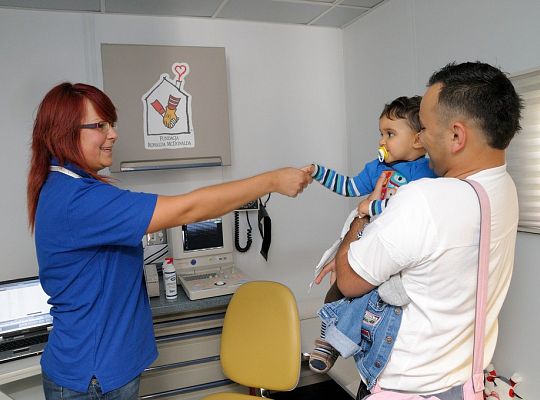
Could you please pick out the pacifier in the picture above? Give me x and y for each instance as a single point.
(382, 153)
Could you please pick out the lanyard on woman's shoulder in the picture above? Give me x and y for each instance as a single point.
(64, 171)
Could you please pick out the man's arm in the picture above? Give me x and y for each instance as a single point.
(349, 282)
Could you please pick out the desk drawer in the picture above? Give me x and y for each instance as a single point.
(188, 346)
(189, 324)
(170, 378)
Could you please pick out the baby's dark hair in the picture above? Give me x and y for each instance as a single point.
(404, 107)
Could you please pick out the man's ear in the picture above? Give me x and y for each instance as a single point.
(459, 136)
(417, 145)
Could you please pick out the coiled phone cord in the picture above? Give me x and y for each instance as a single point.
(237, 233)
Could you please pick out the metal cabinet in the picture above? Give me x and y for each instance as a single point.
(188, 364)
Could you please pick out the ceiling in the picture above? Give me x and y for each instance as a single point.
(332, 13)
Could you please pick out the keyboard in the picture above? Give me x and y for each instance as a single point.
(199, 276)
(211, 284)
(26, 342)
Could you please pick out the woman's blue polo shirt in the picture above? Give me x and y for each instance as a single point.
(88, 241)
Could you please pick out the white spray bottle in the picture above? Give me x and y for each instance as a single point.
(169, 279)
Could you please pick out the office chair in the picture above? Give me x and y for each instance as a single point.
(260, 342)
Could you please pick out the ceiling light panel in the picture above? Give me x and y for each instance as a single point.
(65, 5)
(272, 11)
(187, 8)
(361, 3)
(339, 16)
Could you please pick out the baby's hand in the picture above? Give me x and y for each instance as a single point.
(376, 194)
(363, 207)
(310, 169)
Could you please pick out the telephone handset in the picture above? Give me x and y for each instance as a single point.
(251, 206)
(264, 222)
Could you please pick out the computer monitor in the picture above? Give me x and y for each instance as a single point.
(202, 245)
(24, 306)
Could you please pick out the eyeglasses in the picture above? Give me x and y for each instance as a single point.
(102, 126)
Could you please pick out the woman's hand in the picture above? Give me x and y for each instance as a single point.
(291, 181)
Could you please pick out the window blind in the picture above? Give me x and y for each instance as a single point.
(523, 154)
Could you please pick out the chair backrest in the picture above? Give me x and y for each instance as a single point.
(260, 342)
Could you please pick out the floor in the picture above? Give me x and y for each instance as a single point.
(319, 391)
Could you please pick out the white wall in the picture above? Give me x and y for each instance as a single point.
(379, 66)
(391, 52)
(288, 87)
(36, 53)
(287, 107)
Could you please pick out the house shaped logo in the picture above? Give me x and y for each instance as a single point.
(167, 112)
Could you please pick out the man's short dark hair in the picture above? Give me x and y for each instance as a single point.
(404, 107)
(483, 93)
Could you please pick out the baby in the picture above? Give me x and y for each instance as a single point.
(401, 159)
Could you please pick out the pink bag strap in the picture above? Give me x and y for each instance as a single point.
(481, 290)
(473, 389)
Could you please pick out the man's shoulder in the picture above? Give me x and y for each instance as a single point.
(434, 185)
(433, 191)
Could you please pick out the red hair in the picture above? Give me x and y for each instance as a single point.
(57, 134)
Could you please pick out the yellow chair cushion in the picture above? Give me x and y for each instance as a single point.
(260, 343)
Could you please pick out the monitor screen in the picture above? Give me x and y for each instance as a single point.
(202, 235)
(24, 306)
(202, 244)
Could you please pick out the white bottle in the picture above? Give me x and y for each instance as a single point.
(169, 279)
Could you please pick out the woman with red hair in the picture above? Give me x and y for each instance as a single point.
(88, 237)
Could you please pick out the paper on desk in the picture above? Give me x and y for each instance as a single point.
(330, 253)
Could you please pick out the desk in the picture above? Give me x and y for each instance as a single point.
(21, 379)
(182, 304)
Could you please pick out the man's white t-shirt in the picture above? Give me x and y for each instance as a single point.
(430, 233)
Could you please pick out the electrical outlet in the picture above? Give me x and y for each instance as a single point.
(156, 238)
